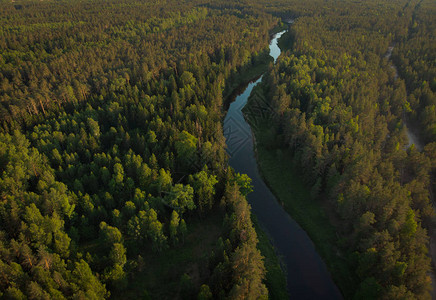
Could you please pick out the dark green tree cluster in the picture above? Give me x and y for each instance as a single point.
(340, 109)
(36, 212)
(237, 266)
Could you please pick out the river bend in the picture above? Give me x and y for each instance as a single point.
(307, 275)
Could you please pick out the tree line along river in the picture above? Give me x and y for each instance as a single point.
(307, 274)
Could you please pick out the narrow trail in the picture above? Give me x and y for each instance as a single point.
(414, 139)
(411, 136)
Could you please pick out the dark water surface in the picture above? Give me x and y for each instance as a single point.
(307, 275)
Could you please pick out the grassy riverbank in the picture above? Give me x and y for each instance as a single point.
(285, 181)
(245, 75)
(275, 276)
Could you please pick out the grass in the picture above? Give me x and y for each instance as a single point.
(275, 278)
(314, 215)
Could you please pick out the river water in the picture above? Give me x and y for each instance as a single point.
(307, 275)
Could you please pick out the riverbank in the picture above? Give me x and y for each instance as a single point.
(275, 276)
(282, 177)
(307, 275)
(275, 279)
(237, 82)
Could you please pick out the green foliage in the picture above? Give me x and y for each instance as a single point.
(203, 184)
(174, 227)
(368, 289)
(186, 148)
(111, 133)
(109, 234)
(88, 285)
(187, 289)
(118, 255)
(239, 256)
(244, 182)
(181, 198)
(205, 293)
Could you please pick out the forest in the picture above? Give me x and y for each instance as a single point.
(112, 153)
(114, 177)
(341, 113)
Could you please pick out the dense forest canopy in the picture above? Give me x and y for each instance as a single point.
(112, 147)
(342, 112)
(112, 156)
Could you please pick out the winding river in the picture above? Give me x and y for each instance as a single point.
(307, 275)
